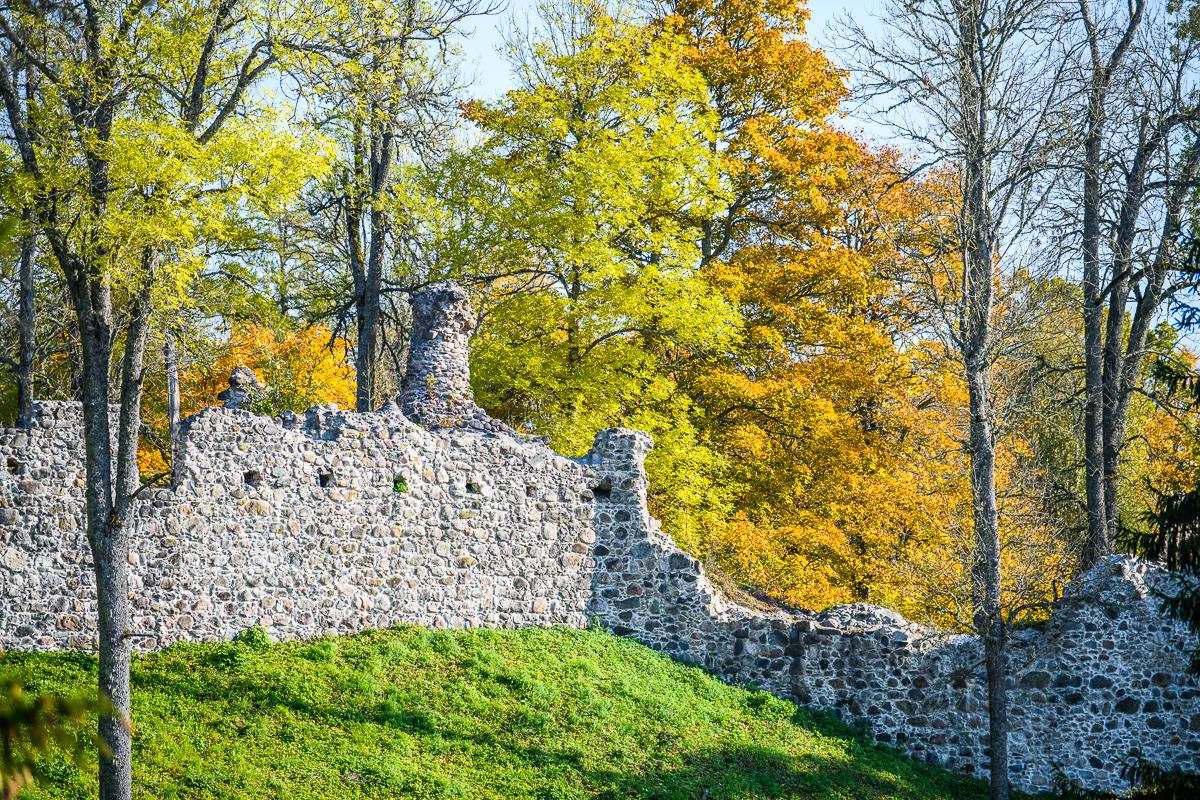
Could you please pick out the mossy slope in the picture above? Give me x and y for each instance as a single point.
(411, 713)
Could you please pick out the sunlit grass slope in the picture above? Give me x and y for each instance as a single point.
(411, 713)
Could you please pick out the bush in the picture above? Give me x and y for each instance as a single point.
(255, 637)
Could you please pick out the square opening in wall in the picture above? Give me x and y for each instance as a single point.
(603, 490)
(325, 479)
(399, 484)
(252, 478)
(14, 466)
(473, 487)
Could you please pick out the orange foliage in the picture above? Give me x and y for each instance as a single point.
(303, 368)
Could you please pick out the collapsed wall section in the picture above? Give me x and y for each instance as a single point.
(1103, 681)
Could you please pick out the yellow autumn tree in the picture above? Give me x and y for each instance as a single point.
(305, 367)
(838, 426)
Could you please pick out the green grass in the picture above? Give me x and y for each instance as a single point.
(411, 713)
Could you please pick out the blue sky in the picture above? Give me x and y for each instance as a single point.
(490, 73)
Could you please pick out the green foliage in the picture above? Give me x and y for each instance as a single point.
(255, 637)
(31, 723)
(529, 714)
(584, 193)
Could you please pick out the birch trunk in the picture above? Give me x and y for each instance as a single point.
(27, 324)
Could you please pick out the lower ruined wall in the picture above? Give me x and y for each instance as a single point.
(1105, 678)
(335, 522)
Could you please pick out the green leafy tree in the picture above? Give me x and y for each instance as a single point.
(380, 80)
(137, 145)
(592, 168)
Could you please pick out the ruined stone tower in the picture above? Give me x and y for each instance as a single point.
(436, 390)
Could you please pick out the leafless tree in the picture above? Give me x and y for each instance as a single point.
(973, 86)
(1137, 163)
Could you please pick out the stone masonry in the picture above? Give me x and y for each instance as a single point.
(436, 389)
(333, 522)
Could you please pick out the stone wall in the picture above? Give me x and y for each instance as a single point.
(326, 523)
(1106, 676)
(334, 522)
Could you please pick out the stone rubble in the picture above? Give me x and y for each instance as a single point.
(243, 387)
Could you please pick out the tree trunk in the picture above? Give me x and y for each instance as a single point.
(1097, 543)
(1123, 378)
(1115, 349)
(112, 567)
(112, 591)
(367, 306)
(108, 540)
(368, 300)
(171, 362)
(985, 573)
(1099, 400)
(1112, 427)
(357, 273)
(26, 315)
(978, 242)
(28, 330)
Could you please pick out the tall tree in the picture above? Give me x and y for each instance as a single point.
(1138, 161)
(382, 83)
(771, 93)
(586, 173)
(25, 76)
(26, 323)
(1103, 68)
(814, 401)
(966, 81)
(122, 187)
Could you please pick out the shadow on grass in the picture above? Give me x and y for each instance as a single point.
(752, 771)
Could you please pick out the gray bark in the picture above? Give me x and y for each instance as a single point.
(91, 298)
(99, 43)
(1096, 544)
(27, 325)
(26, 314)
(171, 365)
(967, 81)
(369, 279)
(1124, 357)
(975, 344)
(1101, 503)
(108, 538)
(985, 574)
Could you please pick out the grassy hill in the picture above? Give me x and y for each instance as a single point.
(546, 713)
